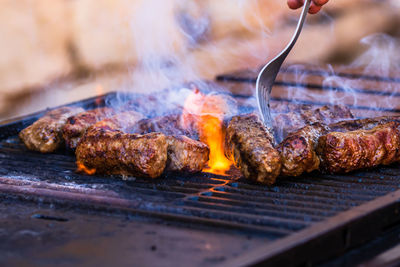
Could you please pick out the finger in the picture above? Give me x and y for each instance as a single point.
(314, 9)
(295, 4)
(320, 2)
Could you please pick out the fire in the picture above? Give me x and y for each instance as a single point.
(83, 168)
(99, 91)
(209, 112)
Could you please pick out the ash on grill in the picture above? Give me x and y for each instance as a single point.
(307, 210)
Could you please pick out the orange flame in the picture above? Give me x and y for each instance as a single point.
(209, 111)
(99, 91)
(83, 168)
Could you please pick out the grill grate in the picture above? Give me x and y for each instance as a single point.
(221, 203)
(291, 205)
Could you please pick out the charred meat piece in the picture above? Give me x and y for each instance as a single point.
(285, 107)
(349, 151)
(186, 155)
(77, 125)
(121, 121)
(365, 124)
(327, 114)
(286, 123)
(168, 125)
(108, 150)
(45, 135)
(150, 104)
(306, 115)
(250, 144)
(298, 150)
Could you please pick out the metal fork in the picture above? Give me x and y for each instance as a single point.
(267, 75)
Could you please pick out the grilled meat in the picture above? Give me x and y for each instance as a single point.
(298, 149)
(365, 124)
(327, 114)
(305, 115)
(45, 135)
(349, 151)
(77, 125)
(168, 125)
(107, 149)
(185, 154)
(149, 104)
(250, 144)
(285, 107)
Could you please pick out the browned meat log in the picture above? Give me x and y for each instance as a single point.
(250, 144)
(304, 115)
(327, 114)
(168, 125)
(186, 155)
(298, 149)
(366, 124)
(106, 149)
(45, 135)
(155, 104)
(349, 151)
(77, 125)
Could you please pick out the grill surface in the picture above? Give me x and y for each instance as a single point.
(293, 218)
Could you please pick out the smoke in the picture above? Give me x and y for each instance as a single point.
(381, 57)
(173, 38)
(374, 86)
(176, 46)
(368, 85)
(160, 46)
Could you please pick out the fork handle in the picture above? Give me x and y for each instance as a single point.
(306, 8)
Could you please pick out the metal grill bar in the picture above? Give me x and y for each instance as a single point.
(346, 75)
(247, 75)
(291, 205)
(318, 87)
(208, 201)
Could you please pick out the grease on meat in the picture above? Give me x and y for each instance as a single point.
(250, 145)
(354, 150)
(45, 135)
(186, 155)
(77, 125)
(109, 150)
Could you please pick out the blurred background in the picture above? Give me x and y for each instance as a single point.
(57, 51)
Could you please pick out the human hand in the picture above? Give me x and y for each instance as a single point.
(316, 5)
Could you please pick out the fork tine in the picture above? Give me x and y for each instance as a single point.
(267, 75)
